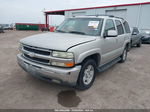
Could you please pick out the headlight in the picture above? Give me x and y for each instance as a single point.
(66, 55)
(20, 47)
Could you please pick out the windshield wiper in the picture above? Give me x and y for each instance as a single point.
(61, 31)
(77, 32)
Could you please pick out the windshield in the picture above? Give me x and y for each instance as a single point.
(146, 31)
(82, 26)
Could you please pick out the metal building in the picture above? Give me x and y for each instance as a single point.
(137, 14)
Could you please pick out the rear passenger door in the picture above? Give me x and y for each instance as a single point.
(120, 37)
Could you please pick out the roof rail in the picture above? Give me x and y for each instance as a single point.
(101, 15)
(119, 17)
(106, 15)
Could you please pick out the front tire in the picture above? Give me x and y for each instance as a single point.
(86, 75)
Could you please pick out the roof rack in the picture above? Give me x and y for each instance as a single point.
(119, 17)
(106, 15)
(101, 15)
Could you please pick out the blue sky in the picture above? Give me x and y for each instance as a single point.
(30, 11)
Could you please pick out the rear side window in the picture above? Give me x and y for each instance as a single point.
(126, 26)
(109, 25)
(119, 27)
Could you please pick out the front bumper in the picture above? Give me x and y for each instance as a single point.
(54, 74)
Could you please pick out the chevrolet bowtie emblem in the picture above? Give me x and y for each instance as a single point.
(31, 54)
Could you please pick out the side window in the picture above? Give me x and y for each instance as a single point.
(109, 25)
(119, 27)
(135, 30)
(126, 26)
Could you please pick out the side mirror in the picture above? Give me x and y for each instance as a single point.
(110, 33)
(134, 33)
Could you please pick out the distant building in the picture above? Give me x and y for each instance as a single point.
(137, 14)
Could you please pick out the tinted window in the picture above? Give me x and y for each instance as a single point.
(119, 27)
(145, 31)
(109, 25)
(126, 26)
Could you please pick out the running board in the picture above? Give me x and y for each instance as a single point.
(108, 65)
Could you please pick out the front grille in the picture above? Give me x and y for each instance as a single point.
(38, 51)
(35, 50)
(38, 60)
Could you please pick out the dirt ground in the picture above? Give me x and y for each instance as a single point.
(123, 86)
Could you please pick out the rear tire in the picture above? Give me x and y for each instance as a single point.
(129, 46)
(139, 44)
(123, 56)
(86, 75)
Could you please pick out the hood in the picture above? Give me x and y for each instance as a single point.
(56, 41)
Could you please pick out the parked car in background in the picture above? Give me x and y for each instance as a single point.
(136, 37)
(1, 29)
(7, 27)
(145, 36)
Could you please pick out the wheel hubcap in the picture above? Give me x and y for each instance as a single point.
(88, 74)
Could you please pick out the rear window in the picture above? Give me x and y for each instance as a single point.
(126, 26)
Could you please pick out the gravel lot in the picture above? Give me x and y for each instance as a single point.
(123, 86)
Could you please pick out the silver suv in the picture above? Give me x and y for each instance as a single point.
(78, 48)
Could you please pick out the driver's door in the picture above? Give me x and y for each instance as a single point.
(108, 44)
